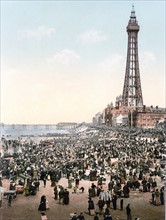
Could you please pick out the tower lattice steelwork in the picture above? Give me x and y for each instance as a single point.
(132, 92)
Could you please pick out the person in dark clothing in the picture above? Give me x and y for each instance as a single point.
(9, 199)
(101, 204)
(144, 184)
(80, 217)
(110, 185)
(43, 177)
(74, 217)
(66, 197)
(77, 182)
(148, 186)
(121, 204)
(90, 205)
(55, 192)
(162, 196)
(98, 190)
(44, 181)
(96, 217)
(42, 206)
(107, 212)
(126, 191)
(114, 199)
(128, 212)
(61, 195)
(82, 189)
(53, 180)
(0, 182)
(108, 217)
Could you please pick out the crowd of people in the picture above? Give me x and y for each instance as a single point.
(131, 160)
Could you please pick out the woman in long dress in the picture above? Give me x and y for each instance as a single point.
(42, 206)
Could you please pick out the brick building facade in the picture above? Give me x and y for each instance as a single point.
(137, 117)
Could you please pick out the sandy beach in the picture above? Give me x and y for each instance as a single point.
(26, 208)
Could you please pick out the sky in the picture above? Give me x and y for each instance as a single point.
(64, 61)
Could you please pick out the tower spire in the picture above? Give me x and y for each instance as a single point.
(132, 92)
(133, 8)
(133, 16)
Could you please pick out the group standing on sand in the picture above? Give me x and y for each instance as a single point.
(132, 162)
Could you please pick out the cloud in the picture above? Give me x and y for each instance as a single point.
(93, 36)
(39, 32)
(148, 63)
(148, 56)
(64, 57)
(147, 59)
(112, 63)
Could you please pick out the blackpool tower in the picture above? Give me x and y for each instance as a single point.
(132, 92)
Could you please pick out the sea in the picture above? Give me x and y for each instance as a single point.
(26, 134)
(29, 130)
